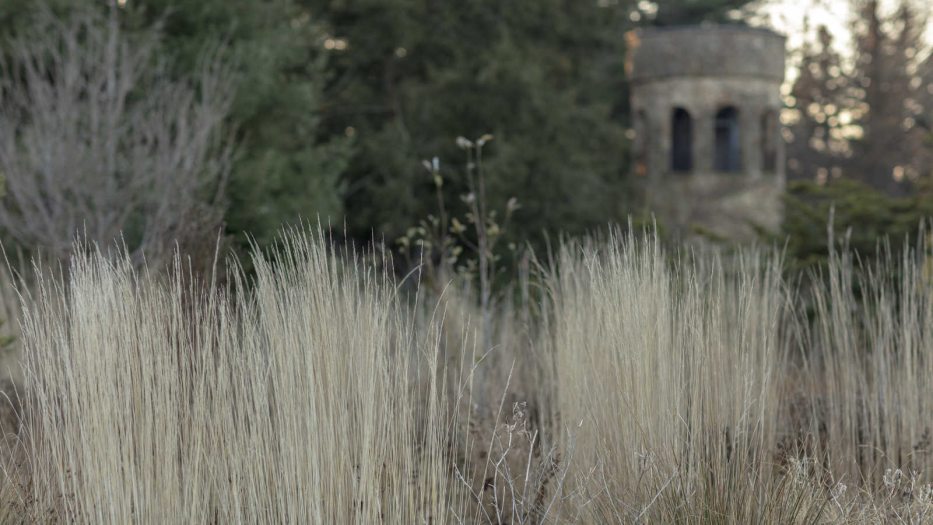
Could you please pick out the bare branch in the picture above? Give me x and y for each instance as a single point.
(98, 139)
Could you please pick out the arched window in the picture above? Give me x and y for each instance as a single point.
(681, 141)
(769, 138)
(728, 156)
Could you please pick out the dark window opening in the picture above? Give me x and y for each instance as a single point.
(728, 156)
(681, 141)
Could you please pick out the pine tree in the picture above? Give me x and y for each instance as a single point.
(545, 77)
(693, 11)
(822, 109)
(287, 170)
(867, 121)
(893, 149)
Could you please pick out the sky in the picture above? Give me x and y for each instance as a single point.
(799, 19)
(791, 16)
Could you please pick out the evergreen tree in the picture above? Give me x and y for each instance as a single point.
(338, 101)
(867, 121)
(892, 150)
(286, 169)
(694, 11)
(544, 77)
(821, 111)
(883, 150)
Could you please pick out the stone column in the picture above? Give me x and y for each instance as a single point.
(750, 119)
(704, 139)
(640, 142)
(780, 165)
(660, 147)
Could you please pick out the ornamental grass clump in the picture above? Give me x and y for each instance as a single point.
(303, 395)
(622, 383)
(666, 373)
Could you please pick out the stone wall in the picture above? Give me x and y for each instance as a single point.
(714, 51)
(704, 70)
(702, 97)
(718, 205)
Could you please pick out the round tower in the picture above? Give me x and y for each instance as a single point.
(706, 103)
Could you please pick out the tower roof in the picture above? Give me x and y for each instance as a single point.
(705, 51)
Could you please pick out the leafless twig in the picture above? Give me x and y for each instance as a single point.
(98, 140)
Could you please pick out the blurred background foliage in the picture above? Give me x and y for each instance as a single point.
(858, 132)
(338, 102)
(861, 217)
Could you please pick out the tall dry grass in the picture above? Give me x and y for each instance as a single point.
(699, 388)
(638, 386)
(667, 375)
(305, 396)
(867, 368)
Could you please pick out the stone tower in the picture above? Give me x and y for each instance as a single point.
(706, 102)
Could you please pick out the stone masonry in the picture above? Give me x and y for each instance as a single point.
(706, 105)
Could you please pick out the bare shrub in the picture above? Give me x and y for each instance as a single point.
(98, 140)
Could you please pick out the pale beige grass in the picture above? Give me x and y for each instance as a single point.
(639, 387)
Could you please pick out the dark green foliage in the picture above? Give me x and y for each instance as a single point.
(861, 216)
(693, 11)
(338, 102)
(544, 77)
(15, 13)
(285, 170)
(862, 119)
